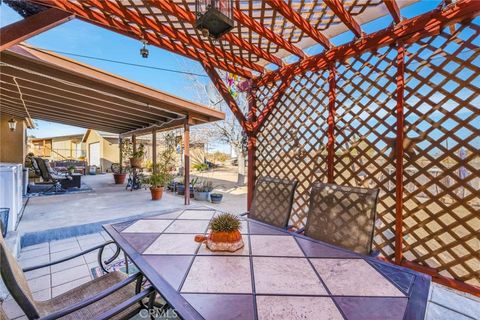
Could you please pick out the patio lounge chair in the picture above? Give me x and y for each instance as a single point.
(48, 175)
(342, 216)
(111, 296)
(272, 201)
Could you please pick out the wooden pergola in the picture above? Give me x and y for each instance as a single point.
(325, 98)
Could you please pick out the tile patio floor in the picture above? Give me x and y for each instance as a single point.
(444, 303)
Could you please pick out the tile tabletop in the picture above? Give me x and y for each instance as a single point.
(276, 275)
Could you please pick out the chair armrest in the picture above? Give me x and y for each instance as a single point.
(300, 231)
(99, 296)
(243, 214)
(69, 257)
(127, 303)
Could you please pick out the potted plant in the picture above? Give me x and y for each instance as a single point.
(158, 181)
(224, 235)
(202, 191)
(136, 157)
(181, 187)
(216, 197)
(71, 169)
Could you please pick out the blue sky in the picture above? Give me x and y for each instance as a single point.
(85, 39)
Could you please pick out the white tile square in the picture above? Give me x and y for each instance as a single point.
(293, 276)
(270, 245)
(219, 275)
(173, 244)
(148, 226)
(188, 226)
(354, 277)
(296, 308)
(197, 214)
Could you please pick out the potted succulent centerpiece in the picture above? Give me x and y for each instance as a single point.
(71, 169)
(136, 157)
(201, 192)
(224, 235)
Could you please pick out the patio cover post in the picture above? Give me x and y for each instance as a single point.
(400, 117)
(134, 143)
(154, 150)
(251, 146)
(332, 82)
(24, 29)
(186, 154)
(120, 152)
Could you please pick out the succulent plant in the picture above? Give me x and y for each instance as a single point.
(225, 222)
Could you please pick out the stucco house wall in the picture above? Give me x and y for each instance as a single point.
(13, 146)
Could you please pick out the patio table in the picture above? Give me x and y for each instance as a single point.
(277, 275)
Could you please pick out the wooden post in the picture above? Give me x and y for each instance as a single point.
(399, 153)
(154, 150)
(251, 146)
(331, 124)
(120, 152)
(186, 154)
(134, 143)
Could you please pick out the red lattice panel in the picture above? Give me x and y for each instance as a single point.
(365, 132)
(442, 167)
(292, 142)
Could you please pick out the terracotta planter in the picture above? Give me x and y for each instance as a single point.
(119, 178)
(136, 162)
(222, 241)
(157, 193)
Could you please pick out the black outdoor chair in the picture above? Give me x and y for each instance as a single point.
(342, 216)
(49, 176)
(272, 201)
(111, 296)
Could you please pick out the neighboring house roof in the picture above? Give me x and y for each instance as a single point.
(66, 137)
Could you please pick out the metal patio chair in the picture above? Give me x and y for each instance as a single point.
(49, 177)
(342, 216)
(272, 201)
(111, 296)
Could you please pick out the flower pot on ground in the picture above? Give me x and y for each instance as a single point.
(157, 182)
(119, 178)
(224, 235)
(202, 190)
(216, 197)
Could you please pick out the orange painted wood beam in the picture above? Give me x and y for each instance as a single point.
(393, 9)
(105, 20)
(22, 30)
(149, 23)
(409, 30)
(294, 17)
(171, 8)
(337, 7)
(263, 31)
(227, 97)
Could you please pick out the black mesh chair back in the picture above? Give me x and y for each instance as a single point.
(272, 201)
(36, 168)
(342, 216)
(42, 166)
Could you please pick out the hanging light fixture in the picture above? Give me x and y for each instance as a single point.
(12, 124)
(214, 17)
(144, 51)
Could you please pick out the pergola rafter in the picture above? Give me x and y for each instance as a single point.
(393, 9)
(105, 20)
(169, 7)
(337, 7)
(287, 11)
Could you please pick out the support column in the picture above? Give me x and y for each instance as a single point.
(399, 153)
(251, 147)
(332, 82)
(186, 154)
(154, 150)
(134, 143)
(120, 153)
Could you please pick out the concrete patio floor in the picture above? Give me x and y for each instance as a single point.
(108, 201)
(444, 303)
